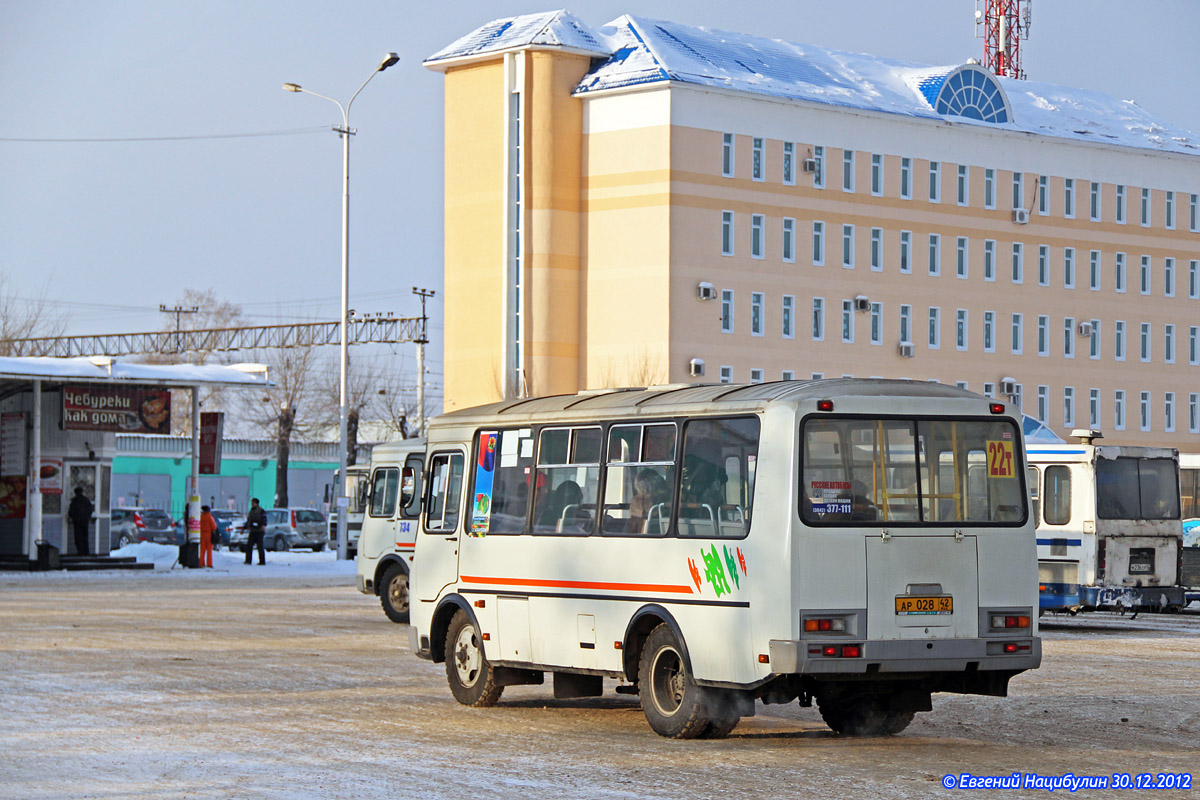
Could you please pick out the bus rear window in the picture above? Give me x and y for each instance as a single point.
(867, 471)
(1136, 488)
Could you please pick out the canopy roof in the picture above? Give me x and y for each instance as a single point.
(101, 369)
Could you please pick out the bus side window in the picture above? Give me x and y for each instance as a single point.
(640, 479)
(1035, 494)
(445, 490)
(385, 483)
(413, 508)
(567, 481)
(718, 462)
(1057, 499)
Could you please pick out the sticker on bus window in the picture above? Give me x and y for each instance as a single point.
(485, 468)
(1000, 459)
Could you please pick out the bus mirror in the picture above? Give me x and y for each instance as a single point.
(408, 486)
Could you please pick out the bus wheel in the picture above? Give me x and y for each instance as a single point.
(863, 716)
(393, 594)
(672, 702)
(472, 681)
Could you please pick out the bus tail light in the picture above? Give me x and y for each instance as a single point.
(837, 651)
(1006, 621)
(825, 625)
(851, 651)
(824, 405)
(996, 408)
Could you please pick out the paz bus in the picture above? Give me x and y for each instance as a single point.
(1109, 530)
(857, 543)
(390, 509)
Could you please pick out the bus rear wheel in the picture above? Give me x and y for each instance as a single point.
(673, 704)
(393, 594)
(472, 679)
(863, 716)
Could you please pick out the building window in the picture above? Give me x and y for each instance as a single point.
(1169, 220)
(819, 170)
(1119, 272)
(757, 223)
(726, 233)
(964, 197)
(1017, 333)
(989, 324)
(1120, 212)
(1094, 271)
(1194, 213)
(787, 318)
(1069, 268)
(1144, 411)
(1094, 340)
(1193, 345)
(935, 182)
(1068, 406)
(876, 174)
(989, 188)
(847, 170)
(961, 267)
(1018, 190)
(1069, 198)
(1194, 279)
(1194, 413)
(789, 164)
(989, 260)
(1093, 408)
(726, 374)
(905, 324)
(816, 376)
(1119, 340)
(756, 160)
(1069, 337)
(727, 311)
(1043, 336)
(756, 314)
(848, 321)
(756, 375)
(1095, 202)
(818, 319)
(1169, 344)
(1145, 275)
(789, 240)
(876, 323)
(906, 251)
(1119, 409)
(727, 155)
(1043, 400)
(905, 178)
(788, 375)
(935, 328)
(1043, 268)
(848, 246)
(961, 385)
(1169, 277)
(989, 390)
(935, 258)
(1018, 262)
(1043, 202)
(818, 242)
(960, 329)
(1145, 208)
(877, 249)
(1145, 341)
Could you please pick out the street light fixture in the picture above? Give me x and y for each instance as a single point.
(345, 132)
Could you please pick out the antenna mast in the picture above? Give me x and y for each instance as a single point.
(1003, 25)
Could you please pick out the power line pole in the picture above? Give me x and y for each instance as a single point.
(178, 311)
(421, 341)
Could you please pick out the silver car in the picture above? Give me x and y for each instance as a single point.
(295, 527)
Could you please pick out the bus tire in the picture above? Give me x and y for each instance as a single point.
(863, 716)
(673, 704)
(472, 679)
(393, 594)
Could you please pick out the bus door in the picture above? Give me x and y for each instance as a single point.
(437, 563)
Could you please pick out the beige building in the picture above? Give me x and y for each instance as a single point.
(649, 202)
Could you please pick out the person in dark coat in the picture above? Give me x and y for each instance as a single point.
(80, 514)
(256, 527)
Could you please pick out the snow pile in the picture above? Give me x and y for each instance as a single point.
(292, 563)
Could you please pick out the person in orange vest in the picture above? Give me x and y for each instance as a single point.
(208, 533)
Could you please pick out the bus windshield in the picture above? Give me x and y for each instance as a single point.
(1136, 488)
(861, 471)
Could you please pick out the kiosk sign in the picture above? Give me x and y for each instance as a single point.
(125, 409)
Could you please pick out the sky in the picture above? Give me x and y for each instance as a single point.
(108, 231)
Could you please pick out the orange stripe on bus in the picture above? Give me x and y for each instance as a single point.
(620, 587)
(406, 544)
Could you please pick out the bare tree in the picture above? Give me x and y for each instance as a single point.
(26, 317)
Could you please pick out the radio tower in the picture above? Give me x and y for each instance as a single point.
(1003, 25)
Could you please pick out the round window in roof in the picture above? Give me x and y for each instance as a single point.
(973, 93)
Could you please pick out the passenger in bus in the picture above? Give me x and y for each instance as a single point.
(861, 508)
(563, 511)
(650, 489)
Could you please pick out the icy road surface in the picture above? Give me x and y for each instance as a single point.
(284, 682)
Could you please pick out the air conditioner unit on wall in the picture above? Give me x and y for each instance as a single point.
(1085, 328)
(810, 165)
(706, 291)
(1008, 386)
(906, 350)
(862, 303)
(1020, 216)
(696, 367)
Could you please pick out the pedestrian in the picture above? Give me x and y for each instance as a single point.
(208, 536)
(80, 514)
(256, 527)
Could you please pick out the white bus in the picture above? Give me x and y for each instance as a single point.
(391, 508)
(1109, 530)
(861, 543)
(356, 491)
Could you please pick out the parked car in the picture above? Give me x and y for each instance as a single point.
(287, 528)
(222, 531)
(133, 524)
(227, 521)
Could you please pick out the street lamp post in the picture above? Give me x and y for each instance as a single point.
(341, 501)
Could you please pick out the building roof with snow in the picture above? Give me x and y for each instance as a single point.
(632, 52)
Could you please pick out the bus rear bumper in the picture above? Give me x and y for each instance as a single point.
(906, 656)
(1134, 597)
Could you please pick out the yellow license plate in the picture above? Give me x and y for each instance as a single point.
(924, 605)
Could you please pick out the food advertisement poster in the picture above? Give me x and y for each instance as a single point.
(51, 476)
(12, 443)
(125, 409)
(12, 497)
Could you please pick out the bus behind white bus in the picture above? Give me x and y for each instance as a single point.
(391, 507)
(857, 543)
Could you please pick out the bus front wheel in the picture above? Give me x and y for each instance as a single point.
(472, 680)
(393, 594)
(673, 704)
